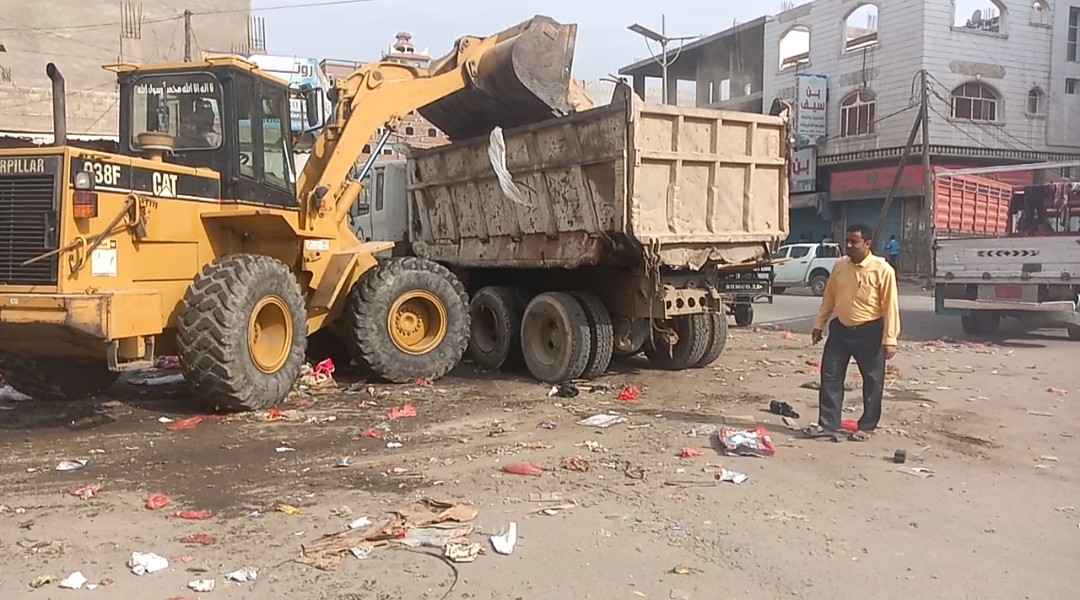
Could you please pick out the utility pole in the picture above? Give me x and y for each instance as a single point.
(926, 236)
(187, 36)
(662, 39)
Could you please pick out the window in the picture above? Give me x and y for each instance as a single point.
(387, 151)
(795, 47)
(828, 251)
(277, 167)
(1040, 12)
(366, 149)
(1072, 86)
(245, 114)
(975, 101)
(379, 189)
(782, 253)
(860, 28)
(857, 114)
(410, 130)
(1074, 34)
(989, 15)
(432, 132)
(1036, 104)
(185, 107)
(799, 251)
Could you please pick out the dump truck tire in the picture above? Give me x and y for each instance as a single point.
(744, 315)
(555, 337)
(407, 319)
(694, 336)
(981, 323)
(717, 339)
(495, 336)
(55, 379)
(602, 337)
(631, 341)
(243, 333)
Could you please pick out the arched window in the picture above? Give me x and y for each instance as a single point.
(1040, 12)
(795, 47)
(1036, 102)
(857, 113)
(860, 28)
(975, 101)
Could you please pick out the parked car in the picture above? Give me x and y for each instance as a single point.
(807, 266)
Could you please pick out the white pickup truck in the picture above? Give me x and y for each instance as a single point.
(807, 266)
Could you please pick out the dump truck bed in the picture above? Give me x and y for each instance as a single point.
(624, 183)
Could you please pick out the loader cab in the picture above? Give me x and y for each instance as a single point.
(221, 114)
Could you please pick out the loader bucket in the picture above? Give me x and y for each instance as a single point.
(523, 79)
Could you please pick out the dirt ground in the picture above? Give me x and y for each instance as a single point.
(992, 516)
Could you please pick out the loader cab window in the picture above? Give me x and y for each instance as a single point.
(263, 146)
(181, 112)
(277, 167)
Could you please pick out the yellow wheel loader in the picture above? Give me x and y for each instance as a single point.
(198, 239)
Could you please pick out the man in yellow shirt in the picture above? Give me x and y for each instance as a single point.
(862, 296)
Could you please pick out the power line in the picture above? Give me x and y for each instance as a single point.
(49, 99)
(286, 6)
(102, 116)
(60, 28)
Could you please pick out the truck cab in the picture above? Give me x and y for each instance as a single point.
(382, 213)
(805, 265)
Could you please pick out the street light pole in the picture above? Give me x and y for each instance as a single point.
(662, 39)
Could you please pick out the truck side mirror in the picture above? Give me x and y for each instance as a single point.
(313, 104)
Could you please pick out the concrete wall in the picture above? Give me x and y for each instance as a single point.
(80, 37)
(917, 35)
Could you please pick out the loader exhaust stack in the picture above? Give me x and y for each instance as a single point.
(524, 79)
(59, 105)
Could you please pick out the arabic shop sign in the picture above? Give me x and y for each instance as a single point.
(803, 176)
(812, 109)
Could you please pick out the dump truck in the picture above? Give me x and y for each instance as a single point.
(596, 234)
(199, 238)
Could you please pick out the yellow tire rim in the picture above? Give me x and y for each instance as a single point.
(417, 322)
(270, 335)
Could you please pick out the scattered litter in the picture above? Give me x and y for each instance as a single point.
(630, 393)
(547, 424)
(1057, 391)
(574, 463)
(405, 412)
(900, 457)
(564, 390)
(361, 522)
(504, 544)
(157, 501)
(165, 420)
(288, 509)
(783, 409)
(523, 468)
(920, 472)
(813, 362)
(191, 515)
(790, 422)
(747, 442)
(182, 558)
(363, 551)
(462, 551)
(553, 509)
(243, 575)
(10, 394)
(198, 539)
(74, 581)
(1048, 458)
(702, 430)
(849, 426)
(85, 492)
(849, 386)
(424, 382)
(174, 379)
(283, 449)
(42, 581)
(167, 363)
(689, 453)
(787, 335)
(275, 414)
(71, 465)
(202, 585)
(394, 445)
(731, 476)
(344, 462)
(142, 563)
(371, 432)
(740, 420)
(1039, 413)
(190, 423)
(683, 570)
(602, 421)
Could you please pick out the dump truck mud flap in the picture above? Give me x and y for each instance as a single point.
(524, 79)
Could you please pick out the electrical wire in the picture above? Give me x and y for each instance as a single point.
(49, 99)
(102, 115)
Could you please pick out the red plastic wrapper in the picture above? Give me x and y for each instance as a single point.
(84, 492)
(689, 453)
(325, 368)
(198, 539)
(629, 393)
(274, 414)
(190, 423)
(371, 432)
(192, 515)
(157, 501)
(523, 468)
(405, 412)
(851, 426)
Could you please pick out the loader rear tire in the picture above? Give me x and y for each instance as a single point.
(717, 339)
(243, 333)
(602, 337)
(408, 319)
(693, 340)
(54, 379)
(495, 336)
(555, 337)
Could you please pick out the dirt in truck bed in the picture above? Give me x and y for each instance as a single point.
(634, 510)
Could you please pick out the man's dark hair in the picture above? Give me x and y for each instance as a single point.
(863, 230)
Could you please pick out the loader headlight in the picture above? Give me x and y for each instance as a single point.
(84, 181)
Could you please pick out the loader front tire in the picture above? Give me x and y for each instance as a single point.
(408, 319)
(54, 379)
(243, 333)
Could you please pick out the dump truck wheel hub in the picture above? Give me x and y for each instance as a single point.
(270, 334)
(417, 322)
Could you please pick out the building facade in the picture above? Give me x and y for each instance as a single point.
(415, 131)
(80, 37)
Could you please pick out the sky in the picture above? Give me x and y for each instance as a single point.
(364, 30)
